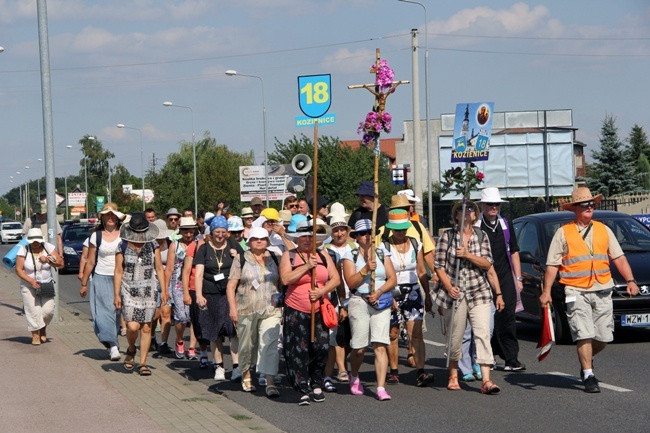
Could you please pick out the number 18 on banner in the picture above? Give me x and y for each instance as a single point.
(314, 95)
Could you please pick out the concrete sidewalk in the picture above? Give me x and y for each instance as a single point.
(68, 384)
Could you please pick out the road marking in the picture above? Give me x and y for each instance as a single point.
(434, 343)
(601, 384)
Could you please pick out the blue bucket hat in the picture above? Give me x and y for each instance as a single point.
(295, 220)
(218, 222)
(366, 188)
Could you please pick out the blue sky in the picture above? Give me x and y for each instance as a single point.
(117, 61)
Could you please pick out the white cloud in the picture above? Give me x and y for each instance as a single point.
(346, 61)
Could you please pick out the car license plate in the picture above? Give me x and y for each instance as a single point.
(635, 320)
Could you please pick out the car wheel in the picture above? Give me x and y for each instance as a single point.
(561, 323)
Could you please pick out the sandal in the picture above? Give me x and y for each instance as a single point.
(392, 379)
(272, 391)
(128, 360)
(144, 370)
(343, 376)
(424, 379)
(453, 385)
(490, 387)
(410, 360)
(247, 385)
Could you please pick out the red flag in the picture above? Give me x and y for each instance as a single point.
(547, 338)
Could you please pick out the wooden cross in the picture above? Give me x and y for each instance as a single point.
(379, 107)
(380, 97)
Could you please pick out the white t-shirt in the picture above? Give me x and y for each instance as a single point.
(44, 270)
(105, 255)
(342, 251)
(406, 264)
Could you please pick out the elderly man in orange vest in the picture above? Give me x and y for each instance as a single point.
(581, 251)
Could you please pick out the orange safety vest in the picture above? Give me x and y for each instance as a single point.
(581, 266)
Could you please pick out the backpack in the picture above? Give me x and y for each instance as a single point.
(355, 254)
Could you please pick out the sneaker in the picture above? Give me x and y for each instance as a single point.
(514, 366)
(355, 387)
(191, 354)
(591, 385)
(317, 395)
(236, 375)
(328, 385)
(304, 401)
(204, 362)
(220, 373)
(115, 353)
(382, 395)
(163, 349)
(180, 350)
(262, 379)
(476, 370)
(469, 377)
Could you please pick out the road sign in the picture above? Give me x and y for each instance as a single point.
(315, 94)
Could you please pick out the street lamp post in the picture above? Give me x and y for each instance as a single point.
(85, 180)
(426, 108)
(196, 194)
(232, 73)
(121, 125)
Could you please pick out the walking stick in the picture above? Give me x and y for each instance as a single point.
(458, 243)
(314, 215)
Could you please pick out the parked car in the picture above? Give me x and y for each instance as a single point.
(11, 231)
(74, 234)
(534, 234)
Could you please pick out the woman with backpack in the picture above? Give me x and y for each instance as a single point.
(467, 249)
(137, 265)
(213, 262)
(408, 260)
(254, 280)
(369, 310)
(306, 359)
(104, 243)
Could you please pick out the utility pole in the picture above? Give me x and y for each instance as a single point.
(417, 149)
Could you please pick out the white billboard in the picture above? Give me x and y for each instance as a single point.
(252, 183)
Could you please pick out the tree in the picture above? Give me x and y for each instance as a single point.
(613, 172)
(643, 168)
(217, 174)
(96, 160)
(638, 141)
(340, 168)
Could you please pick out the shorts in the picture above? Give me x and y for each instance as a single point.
(590, 314)
(368, 325)
(411, 307)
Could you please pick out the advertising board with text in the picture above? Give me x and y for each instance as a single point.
(252, 184)
(472, 132)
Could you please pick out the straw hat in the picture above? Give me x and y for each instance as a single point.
(111, 207)
(163, 232)
(458, 207)
(581, 195)
(399, 201)
(187, 223)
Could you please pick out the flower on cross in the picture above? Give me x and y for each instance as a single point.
(378, 120)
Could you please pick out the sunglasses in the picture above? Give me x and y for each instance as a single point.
(172, 219)
(363, 233)
(492, 204)
(293, 206)
(587, 204)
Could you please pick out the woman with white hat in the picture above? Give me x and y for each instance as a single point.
(34, 264)
(135, 285)
(305, 359)
(254, 279)
(103, 244)
(369, 319)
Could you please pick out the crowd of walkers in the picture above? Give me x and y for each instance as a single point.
(255, 282)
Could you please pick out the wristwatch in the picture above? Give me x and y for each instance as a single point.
(631, 281)
(520, 279)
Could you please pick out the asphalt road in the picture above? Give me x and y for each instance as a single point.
(547, 397)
